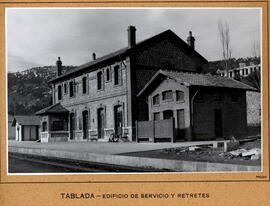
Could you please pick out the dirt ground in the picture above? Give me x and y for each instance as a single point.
(204, 154)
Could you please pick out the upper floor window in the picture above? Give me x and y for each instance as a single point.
(179, 96)
(218, 96)
(99, 80)
(108, 74)
(156, 99)
(117, 75)
(167, 95)
(65, 88)
(59, 92)
(84, 85)
(71, 89)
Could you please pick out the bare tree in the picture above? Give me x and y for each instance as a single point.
(224, 34)
(255, 50)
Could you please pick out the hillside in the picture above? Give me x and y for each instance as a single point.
(29, 91)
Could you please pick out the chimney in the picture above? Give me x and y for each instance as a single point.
(94, 56)
(58, 67)
(191, 40)
(131, 36)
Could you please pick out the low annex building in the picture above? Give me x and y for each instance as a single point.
(100, 98)
(26, 128)
(204, 107)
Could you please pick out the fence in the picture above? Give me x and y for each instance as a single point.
(154, 131)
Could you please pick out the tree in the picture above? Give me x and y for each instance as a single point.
(224, 35)
(255, 50)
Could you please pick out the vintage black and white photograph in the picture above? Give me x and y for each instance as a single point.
(133, 90)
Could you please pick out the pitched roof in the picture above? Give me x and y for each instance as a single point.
(126, 51)
(26, 120)
(196, 79)
(53, 109)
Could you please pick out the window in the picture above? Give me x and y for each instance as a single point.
(218, 96)
(59, 92)
(108, 74)
(117, 76)
(246, 71)
(99, 80)
(156, 99)
(84, 85)
(156, 116)
(59, 126)
(167, 95)
(65, 88)
(231, 74)
(44, 126)
(243, 71)
(234, 97)
(71, 89)
(179, 96)
(168, 114)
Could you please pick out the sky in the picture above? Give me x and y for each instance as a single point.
(36, 37)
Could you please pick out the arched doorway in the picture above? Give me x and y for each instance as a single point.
(101, 122)
(118, 119)
(85, 124)
(72, 126)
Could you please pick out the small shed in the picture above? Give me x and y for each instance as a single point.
(26, 127)
(54, 123)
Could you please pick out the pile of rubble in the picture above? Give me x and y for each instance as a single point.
(251, 154)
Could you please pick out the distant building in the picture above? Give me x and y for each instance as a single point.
(26, 128)
(242, 70)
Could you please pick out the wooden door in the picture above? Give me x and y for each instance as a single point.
(85, 125)
(101, 123)
(118, 119)
(72, 125)
(180, 131)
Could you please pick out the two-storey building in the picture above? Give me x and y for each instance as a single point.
(100, 97)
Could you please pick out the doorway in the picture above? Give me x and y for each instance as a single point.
(101, 122)
(85, 124)
(118, 120)
(72, 126)
(218, 123)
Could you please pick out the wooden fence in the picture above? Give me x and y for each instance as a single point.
(154, 131)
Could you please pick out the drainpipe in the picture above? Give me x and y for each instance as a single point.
(192, 109)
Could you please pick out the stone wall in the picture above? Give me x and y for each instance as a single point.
(253, 108)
